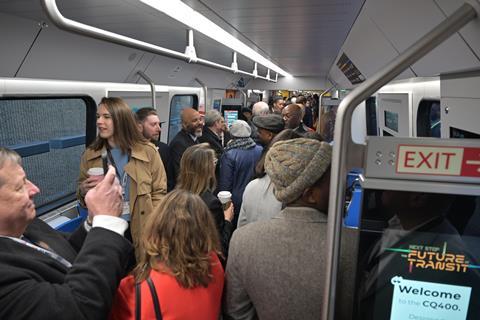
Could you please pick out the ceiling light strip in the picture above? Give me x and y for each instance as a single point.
(66, 24)
(180, 11)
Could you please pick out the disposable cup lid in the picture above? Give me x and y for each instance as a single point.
(95, 171)
(224, 196)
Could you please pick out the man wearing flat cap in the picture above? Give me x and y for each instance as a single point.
(268, 127)
(275, 268)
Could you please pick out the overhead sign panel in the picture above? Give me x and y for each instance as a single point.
(437, 160)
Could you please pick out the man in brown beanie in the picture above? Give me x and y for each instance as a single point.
(275, 268)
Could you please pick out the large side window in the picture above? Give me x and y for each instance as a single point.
(50, 135)
(177, 104)
(428, 119)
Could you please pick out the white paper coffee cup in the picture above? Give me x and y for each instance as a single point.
(96, 171)
(224, 196)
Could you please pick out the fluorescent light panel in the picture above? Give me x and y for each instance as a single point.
(179, 11)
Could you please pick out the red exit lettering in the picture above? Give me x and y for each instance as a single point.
(432, 160)
(429, 160)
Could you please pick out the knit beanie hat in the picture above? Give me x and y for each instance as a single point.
(240, 129)
(294, 165)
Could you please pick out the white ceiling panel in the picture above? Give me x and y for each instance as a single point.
(302, 37)
(422, 16)
(470, 31)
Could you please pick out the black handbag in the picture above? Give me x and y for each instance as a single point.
(138, 300)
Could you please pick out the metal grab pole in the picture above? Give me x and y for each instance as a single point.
(51, 9)
(320, 101)
(342, 136)
(152, 87)
(205, 89)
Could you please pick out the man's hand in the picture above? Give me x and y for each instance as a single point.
(106, 197)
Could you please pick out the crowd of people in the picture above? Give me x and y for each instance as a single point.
(157, 239)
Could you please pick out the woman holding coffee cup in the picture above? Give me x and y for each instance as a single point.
(197, 175)
(137, 163)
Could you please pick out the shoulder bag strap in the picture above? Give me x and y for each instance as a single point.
(156, 302)
(138, 302)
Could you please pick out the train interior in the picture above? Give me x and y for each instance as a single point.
(408, 146)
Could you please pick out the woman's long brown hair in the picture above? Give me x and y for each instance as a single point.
(125, 130)
(197, 169)
(179, 239)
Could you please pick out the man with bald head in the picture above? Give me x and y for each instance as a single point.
(292, 115)
(192, 126)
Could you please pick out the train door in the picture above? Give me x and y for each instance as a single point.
(418, 243)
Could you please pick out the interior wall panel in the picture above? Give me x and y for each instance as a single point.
(168, 71)
(422, 16)
(469, 32)
(61, 55)
(15, 44)
(368, 49)
(296, 83)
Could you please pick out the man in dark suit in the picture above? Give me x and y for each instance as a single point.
(46, 275)
(192, 126)
(150, 126)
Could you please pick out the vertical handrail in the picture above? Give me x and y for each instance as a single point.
(204, 87)
(152, 87)
(244, 98)
(342, 137)
(320, 99)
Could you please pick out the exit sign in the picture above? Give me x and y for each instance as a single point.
(435, 160)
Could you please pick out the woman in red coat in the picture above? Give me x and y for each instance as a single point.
(180, 259)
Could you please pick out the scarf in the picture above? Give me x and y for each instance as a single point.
(240, 143)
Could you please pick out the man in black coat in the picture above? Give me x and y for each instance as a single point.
(192, 126)
(213, 131)
(46, 275)
(150, 126)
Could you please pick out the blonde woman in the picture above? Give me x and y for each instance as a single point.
(179, 275)
(197, 175)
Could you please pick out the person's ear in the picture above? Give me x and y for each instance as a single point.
(308, 195)
(140, 126)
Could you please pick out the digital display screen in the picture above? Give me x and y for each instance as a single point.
(230, 116)
(419, 256)
(391, 120)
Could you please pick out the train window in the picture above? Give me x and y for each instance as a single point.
(418, 256)
(371, 116)
(391, 120)
(387, 134)
(428, 119)
(50, 135)
(463, 134)
(177, 104)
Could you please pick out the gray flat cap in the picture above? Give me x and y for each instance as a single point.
(270, 122)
